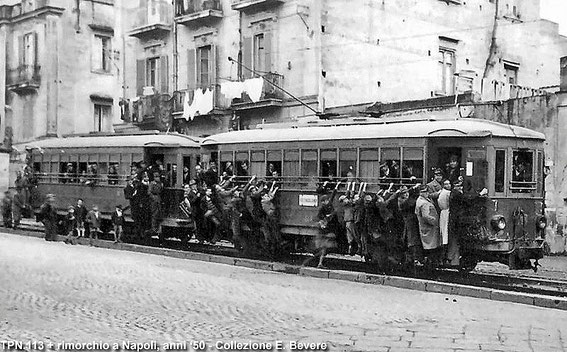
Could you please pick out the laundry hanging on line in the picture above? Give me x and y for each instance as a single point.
(253, 87)
(202, 104)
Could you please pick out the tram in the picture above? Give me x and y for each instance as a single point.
(505, 226)
(101, 164)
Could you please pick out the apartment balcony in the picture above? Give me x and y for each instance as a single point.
(29, 10)
(244, 5)
(498, 90)
(270, 96)
(220, 103)
(24, 79)
(152, 20)
(197, 11)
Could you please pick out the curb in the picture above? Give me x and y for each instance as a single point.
(365, 278)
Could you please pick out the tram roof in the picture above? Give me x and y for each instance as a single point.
(117, 141)
(391, 129)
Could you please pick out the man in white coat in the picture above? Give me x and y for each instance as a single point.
(428, 219)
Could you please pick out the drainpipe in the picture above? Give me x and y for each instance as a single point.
(319, 56)
(122, 23)
(77, 11)
(493, 45)
(175, 55)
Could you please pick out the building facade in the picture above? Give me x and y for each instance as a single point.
(327, 56)
(60, 69)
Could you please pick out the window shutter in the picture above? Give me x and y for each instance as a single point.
(140, 76)
(164, 74)
(213, 66)
(191, 70)
(96, 53)
(35, 50)
(198, 67)
(22, 51)
(268, 51)
(247, 57)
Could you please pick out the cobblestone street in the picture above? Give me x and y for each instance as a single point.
(53, 292)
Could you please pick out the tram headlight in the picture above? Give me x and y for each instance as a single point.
(498, 222)
(542, 222)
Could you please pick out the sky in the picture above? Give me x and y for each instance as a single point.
(556, 11)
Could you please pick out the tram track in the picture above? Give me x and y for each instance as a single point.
(544, 287)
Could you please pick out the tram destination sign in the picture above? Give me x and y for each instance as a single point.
(308, 200)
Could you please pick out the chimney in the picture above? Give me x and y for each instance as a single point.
(563, 74)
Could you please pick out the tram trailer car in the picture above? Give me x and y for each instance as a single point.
(51, 157)
(507, 226)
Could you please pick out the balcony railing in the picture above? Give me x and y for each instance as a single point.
(271, 96)
(242, 5)
(7, 12)
(179, 97)
(154, 18)
(197, 10)
(24, 77)
(497, 90)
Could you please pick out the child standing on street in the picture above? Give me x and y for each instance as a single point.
(71, 226)
(94, 221)
(118, 223)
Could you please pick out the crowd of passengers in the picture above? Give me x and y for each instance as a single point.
(424, 219)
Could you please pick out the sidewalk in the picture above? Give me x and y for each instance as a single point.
(553, 267)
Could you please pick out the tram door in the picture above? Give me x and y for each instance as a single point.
(444, 157)
(469, 162)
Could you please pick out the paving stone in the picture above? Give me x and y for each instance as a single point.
(312, 272)
(255, 264)
(557, 303)
(512, 297)
(402, 282)
(343, 275)
(221, 259)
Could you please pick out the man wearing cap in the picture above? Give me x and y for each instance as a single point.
(18, 206)
(436, 185)
(155, 190)
(406, 203)
(7, 209)
(428, 219)
(48, 215)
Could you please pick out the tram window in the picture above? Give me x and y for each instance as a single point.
(113, 174)
(412, 165)
(347, 163)
(36, 167)
(540, 172)
(226, 163)
(499, 171)
(102, 168)
(274, 163)
(309, 163)
(44, 172)
(522, 167)
(54, 171)
(228, 167)
(390, 163)
(242, 164)
(369, 163)
(291, 163)
(258, 163)
(328, 164)
(63, 171)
